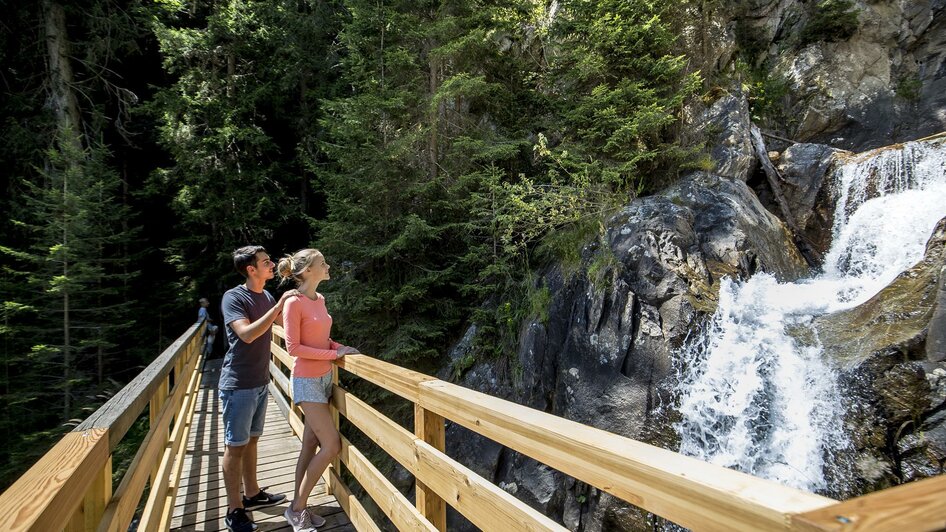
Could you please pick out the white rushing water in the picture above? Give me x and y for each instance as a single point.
(755, 392)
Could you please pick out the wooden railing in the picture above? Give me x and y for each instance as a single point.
(684, 490)
(70, 487)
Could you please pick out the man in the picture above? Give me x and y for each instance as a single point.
(211, 332)
(248, 314)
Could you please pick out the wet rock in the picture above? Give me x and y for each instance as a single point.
(896, 391)
(936, 338)
(725, 127)
(904, 307)
(804, 169)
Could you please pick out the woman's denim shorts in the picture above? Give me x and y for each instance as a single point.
(312, 389)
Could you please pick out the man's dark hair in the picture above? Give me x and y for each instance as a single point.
(246, 256)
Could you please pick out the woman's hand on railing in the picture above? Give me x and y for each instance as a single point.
(345, 350)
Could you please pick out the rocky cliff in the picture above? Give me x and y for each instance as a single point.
(603, 355)
(849, 74)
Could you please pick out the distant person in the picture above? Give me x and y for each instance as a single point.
(308, 326)
(211, 333)
(248, 314)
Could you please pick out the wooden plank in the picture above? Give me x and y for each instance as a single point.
(685, 490)
(155, 407)
(201, 499)
(281, 381)
(483, 503)
(119, 412)
(394, 505)
(915, 506)
(295, 422)
(388, 376)
(429, 427)
(89, 513)
(336, 462)
(180, 447)
(151, 515)
(282, 355)
(121, 509)
(55, 486)
(356, 512)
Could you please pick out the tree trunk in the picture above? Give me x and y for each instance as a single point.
(61, 97)
(432, 146)
(231, 72)
(64, 105)
(808, 251)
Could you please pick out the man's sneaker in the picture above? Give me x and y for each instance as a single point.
(300, 521)
(238, 521)
(263, 499)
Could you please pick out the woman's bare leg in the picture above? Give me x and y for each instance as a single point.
(309, 443)
(319, 419)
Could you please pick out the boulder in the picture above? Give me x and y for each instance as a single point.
(894, 378)
(804, 169)
(725, 127)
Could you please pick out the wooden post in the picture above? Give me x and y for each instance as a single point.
(154, 411)
(336, 463)
(429, 427)
(90, 511)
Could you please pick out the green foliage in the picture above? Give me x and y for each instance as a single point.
(909, 88)
(461, 164)
(603, 267)
(441, 154)
(563, 246)
(832, 20)
(244, 99)
(620, 89)
(767, 93)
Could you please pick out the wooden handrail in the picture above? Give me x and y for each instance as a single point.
(682, 489)
(916, 506)
(74, 478)
(71, 485)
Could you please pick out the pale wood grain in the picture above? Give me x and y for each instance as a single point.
(429, 427)
(356, 512)
(398, 509)
(482, 502)
(55, 486)
(684, 490)
(916, 506)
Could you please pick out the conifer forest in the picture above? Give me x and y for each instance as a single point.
(441, 153)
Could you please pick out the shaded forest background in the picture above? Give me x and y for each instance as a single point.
(438, 152)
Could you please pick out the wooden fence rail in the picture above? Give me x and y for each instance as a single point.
(684, 490)
(70, 487)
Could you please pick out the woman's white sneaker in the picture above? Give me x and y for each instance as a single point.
(300, 521)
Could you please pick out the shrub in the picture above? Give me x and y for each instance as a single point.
(832, 20)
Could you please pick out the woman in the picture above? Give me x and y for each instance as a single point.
(308, 325)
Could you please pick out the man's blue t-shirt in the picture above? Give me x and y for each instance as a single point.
(246, 365)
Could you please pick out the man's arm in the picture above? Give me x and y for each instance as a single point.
(248, 332)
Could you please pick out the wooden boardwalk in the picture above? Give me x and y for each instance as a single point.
(201, 498)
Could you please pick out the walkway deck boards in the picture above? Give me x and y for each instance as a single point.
(201, 498)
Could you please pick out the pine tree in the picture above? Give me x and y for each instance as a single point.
(65, 303)
(243, 104)
(435, 111)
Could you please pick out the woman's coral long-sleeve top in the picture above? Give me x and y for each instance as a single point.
(308, 325)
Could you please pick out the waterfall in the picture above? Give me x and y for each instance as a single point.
(755, 393)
